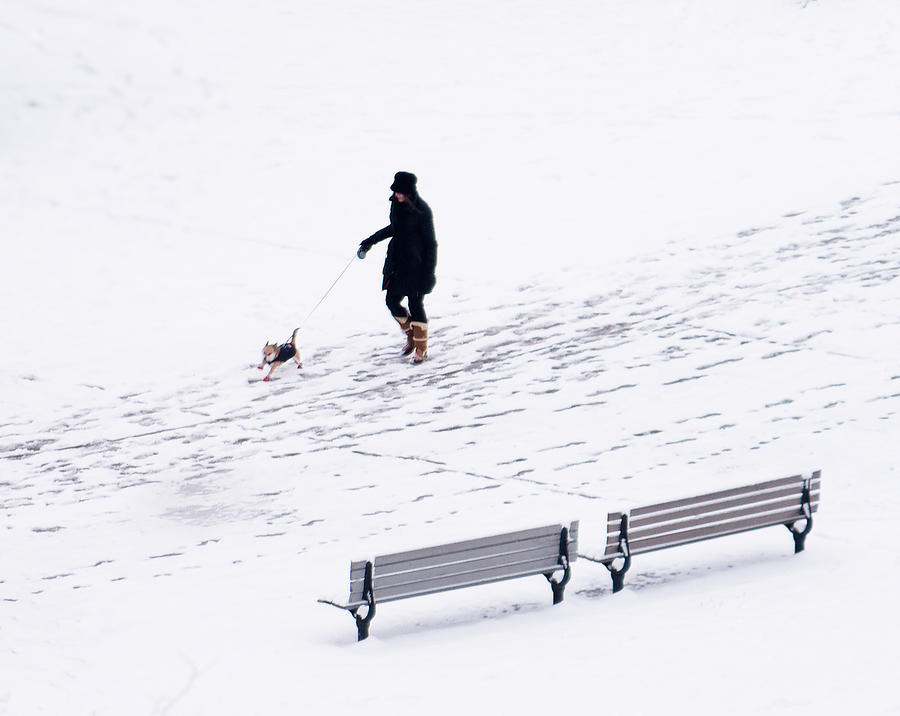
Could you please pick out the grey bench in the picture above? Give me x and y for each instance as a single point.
(786, 501)
(389, 577)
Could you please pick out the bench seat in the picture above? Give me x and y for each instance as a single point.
(679, 522)
(414, 573)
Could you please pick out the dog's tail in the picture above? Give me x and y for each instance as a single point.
(294, 336)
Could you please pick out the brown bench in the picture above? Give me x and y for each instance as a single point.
(543, 550)
(669, 524)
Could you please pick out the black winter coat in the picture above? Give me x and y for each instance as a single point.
(412, 253)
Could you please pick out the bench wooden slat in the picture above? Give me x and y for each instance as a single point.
(461, 564)
(789, 501)
(386, 592)
(638, 546)
(454, 582)
(461, 569)
(723, 494)
(509, 537)
(357, 575)
(612, 538)
(613, 523)
(612, 545)
(685, 521)
(704, 505)
(441, 557)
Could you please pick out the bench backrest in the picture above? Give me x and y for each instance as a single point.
(679, 522)
(464, 564)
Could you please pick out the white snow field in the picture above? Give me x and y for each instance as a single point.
(668, 265)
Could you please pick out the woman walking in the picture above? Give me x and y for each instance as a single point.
(410, 262)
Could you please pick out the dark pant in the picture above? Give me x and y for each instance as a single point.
(416, 306)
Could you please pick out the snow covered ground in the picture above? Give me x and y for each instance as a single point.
(668, 265)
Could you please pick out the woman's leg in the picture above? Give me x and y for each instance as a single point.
(419, 323)
(417, 308)
(395, 305)
(401, 315)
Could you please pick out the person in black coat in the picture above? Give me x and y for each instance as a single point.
(410, 262)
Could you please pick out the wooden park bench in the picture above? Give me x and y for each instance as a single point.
(669, 524)
(389, 577)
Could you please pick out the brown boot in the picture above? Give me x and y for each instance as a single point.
(405, 326)
(420, 339)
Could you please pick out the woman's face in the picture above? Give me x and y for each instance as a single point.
(400, 197)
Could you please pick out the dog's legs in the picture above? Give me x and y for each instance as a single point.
(297, 358)
(272, 367)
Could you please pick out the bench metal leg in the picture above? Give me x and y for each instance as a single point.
(560, 587)
(618, 579)
(618, 575)
(800, 535)
(362, 623)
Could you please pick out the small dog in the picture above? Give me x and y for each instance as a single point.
(274, 355)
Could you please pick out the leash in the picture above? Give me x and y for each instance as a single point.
(329, 290)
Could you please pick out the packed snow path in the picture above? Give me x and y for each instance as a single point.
(552, 407)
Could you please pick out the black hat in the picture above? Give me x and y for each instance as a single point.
(404, 183)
